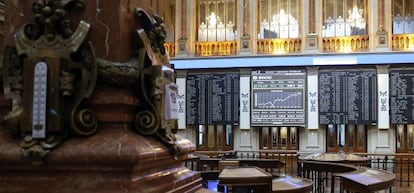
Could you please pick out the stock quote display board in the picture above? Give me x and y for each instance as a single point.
(347, 96)
(212, 98)
(278, 97)
(402, 96)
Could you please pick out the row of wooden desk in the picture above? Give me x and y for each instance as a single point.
(348, 168)
(352, 171)
(257, 180)
(207, 163)
(245, 175)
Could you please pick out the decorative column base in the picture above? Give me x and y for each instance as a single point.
(116, 159)
(245, 45)
(382, 41)
(311, 43)
(182, 48)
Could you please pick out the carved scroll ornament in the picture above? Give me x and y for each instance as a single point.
(149, 70)
(53, 69)
(48, 74)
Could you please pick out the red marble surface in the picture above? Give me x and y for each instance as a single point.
(112, 24)
(111, 104)
(113, 160)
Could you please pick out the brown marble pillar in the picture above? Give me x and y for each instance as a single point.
(382, 35)
(246, 18)
(116, 158)
(182, 29)
(311, 15)
(183, 14)
(111, 22)
(381, 18)
(312, 37)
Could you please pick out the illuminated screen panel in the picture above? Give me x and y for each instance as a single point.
(347, 96)
(402, 96)
(278, 97)
(212, 98)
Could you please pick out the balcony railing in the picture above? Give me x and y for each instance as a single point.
(170, 49)
(402, 42)
(279, 46)
(346, 44)
(225, 48)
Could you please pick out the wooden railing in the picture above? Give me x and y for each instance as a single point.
(225, 48)
(289, 158)
(346, 44)
(402, 42)
(170, 49)
(402, 165)
(279, 46)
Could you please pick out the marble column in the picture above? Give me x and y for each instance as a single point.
(181, 27)
(116, 158)
(245, 133)
(311, 137)
(382, 34)
(244, 29)
(311, 37)
(381, 138)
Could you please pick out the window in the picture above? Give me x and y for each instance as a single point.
(403, 16)
(215, 137)
(279, 19)
(285, 138)
(344, 18)
(346, 137)
(201, 133)
(216, 20)
(405, 138)
(229, 135)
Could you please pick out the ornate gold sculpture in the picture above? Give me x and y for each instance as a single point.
(48, 75)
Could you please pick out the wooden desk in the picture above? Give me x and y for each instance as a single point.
(213, 163)
(289, 184)
(254, 177)
(366, 180)
(347, 158)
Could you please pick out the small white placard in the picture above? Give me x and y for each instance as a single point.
(170, 102)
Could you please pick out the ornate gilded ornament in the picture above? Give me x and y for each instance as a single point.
(48, 75)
